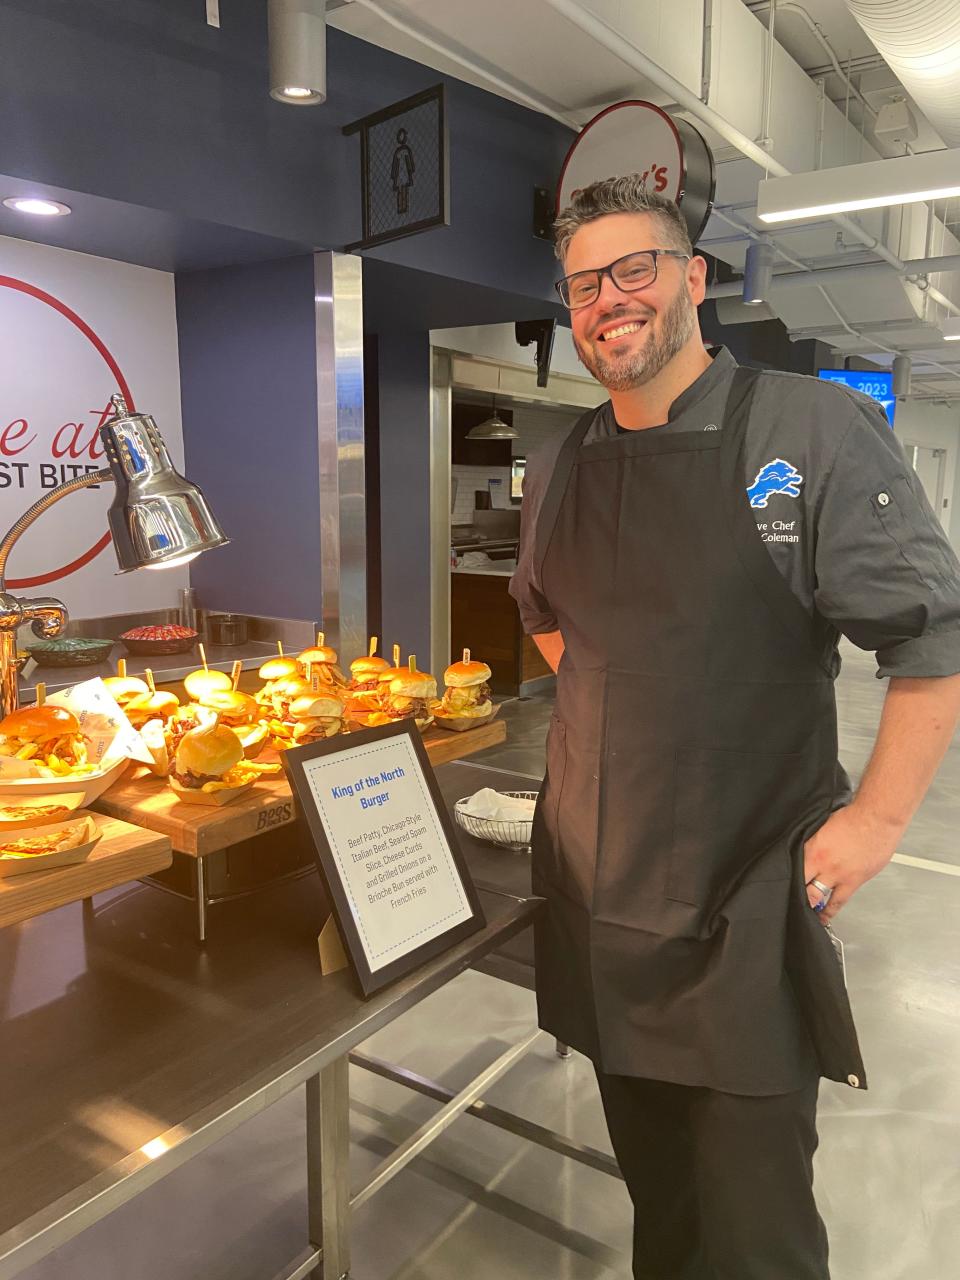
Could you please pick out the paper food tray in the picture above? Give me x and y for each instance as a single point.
(460, 724)
(75, 793)
(49, 861)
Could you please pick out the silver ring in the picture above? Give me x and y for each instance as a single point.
(824, 889)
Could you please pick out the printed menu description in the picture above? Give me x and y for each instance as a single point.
(397, 870)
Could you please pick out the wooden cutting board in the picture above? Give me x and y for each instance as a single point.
(198, 829)
(124, 853)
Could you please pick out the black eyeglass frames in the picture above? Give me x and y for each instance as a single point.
(631, 272)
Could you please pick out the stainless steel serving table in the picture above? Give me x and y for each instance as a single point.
(125, 1050)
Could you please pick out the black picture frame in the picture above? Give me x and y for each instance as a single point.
(396, 111)
(294, 762)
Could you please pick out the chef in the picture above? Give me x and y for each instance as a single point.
(690, 554)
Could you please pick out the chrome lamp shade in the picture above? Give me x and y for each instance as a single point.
(158, 519)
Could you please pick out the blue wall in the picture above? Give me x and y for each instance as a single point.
(404, 368)
(141, 102)
(249, 393)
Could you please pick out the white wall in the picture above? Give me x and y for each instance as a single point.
(936, 426)
(55, 383)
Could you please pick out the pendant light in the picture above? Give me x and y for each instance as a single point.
(493, 428)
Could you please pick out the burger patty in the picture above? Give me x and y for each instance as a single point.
(417, 710)
(196, 780)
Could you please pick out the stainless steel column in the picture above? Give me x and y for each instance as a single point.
(441, 379)
(338, 295)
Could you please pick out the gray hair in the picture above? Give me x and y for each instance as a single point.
(626, 194)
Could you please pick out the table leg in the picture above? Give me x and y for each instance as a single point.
(201, 900)
(328, 1167)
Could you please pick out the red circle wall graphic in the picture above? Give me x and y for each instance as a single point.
(8, 282)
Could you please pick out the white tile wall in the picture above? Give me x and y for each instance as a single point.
(472, 478)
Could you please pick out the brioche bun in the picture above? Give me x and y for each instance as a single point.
(366, 668)
(200, 683)
(278, 668)
(36, 724)
(320, 653)
(460, 675)
(310, 706)
(231, 704)
(209, 750)
(123, 688)
(413, 684)
(151, 706)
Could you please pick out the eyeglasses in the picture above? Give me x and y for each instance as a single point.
(629, 273)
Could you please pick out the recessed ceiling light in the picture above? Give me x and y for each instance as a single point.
(37, 205)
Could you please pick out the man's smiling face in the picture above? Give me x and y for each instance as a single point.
(625, 339)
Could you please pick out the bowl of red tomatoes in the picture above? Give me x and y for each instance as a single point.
(170, 638)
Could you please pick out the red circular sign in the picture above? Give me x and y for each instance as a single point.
(8, 282)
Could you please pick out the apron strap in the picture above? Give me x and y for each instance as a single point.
(550, 510)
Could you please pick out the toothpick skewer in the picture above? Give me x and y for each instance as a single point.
(235, 673)
(396, 655)
(41, 694)
(151, 683)
(321, 637)
(203, 657)
(122, 668)
(372, 651)
(412, 664)
(280, 648)
(466, 655)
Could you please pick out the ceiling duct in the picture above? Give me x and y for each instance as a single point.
(920, 42)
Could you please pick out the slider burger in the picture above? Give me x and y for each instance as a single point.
(199, 683)
(322, 661)
(409, 695)
(151, 706)
(467, 696)
(272, 672)
(315, 716)
(209, 767)
(124, 689)
(365, 672)
(48, 735)
(241, 713)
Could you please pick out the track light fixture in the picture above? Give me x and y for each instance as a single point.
(297, 31)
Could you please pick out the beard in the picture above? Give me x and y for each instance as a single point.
(629, 371)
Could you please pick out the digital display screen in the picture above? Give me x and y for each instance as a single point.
(879, 386)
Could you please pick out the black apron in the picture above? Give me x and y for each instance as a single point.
(692, 751)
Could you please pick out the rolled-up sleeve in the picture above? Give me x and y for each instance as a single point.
(535, 613)
(886, 576)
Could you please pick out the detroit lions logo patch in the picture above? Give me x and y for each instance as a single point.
(774, 477)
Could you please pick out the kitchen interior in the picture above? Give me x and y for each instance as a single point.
(492, 438)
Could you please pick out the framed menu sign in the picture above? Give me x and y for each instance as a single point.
(386, 847)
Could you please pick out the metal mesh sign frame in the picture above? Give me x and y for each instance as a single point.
(404, 168)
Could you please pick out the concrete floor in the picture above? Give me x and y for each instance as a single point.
(481, 1203)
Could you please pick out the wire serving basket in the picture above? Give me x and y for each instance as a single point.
(511, 834)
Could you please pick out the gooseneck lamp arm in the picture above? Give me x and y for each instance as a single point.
(158, 519)
(47, 615)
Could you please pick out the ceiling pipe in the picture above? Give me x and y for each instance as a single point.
(631, 56)
(505, 87)
(787, 6)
